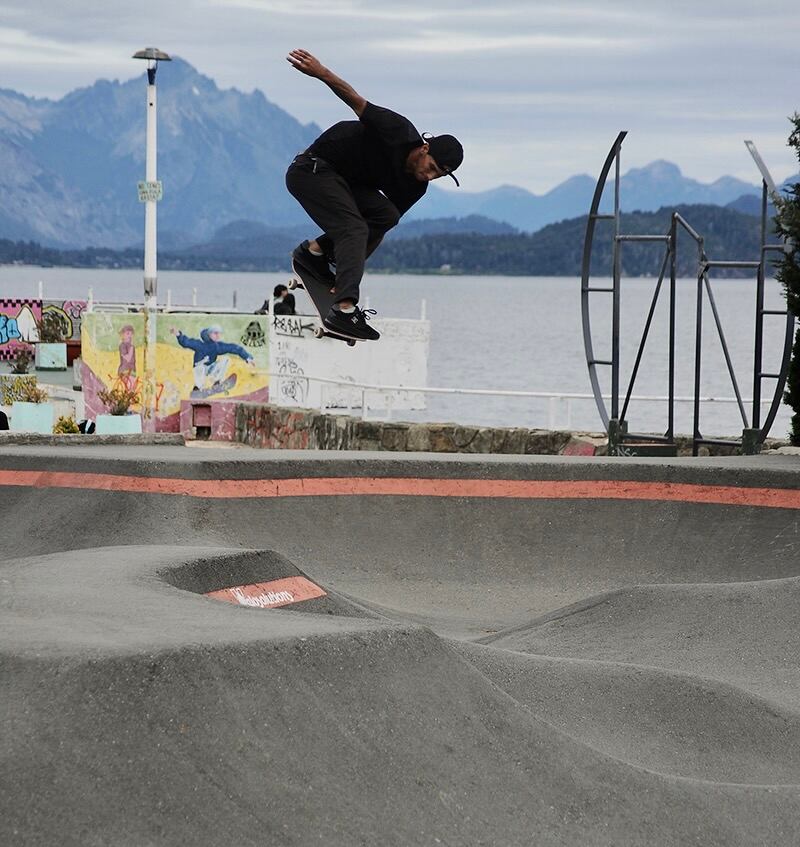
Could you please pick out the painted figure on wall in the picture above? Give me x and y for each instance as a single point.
(210, 364)
(127, 357)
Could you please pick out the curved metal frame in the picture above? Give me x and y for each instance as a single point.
(758, 433)
(594, 216)
(781, 384)
(767, 189)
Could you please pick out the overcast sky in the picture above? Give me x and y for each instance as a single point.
(536, 91)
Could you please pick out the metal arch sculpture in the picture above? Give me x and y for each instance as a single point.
(594, 216)
(753, 433)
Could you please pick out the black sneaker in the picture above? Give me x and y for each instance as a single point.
(353, 324)
(317, 265)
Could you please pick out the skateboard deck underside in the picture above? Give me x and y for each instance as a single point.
(321, 296)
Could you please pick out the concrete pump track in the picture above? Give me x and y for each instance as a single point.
(496, 651)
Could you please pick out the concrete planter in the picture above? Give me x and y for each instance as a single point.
(130, 424)
(32, 417)
(51, 357)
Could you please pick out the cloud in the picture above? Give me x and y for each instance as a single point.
(536, 91)
(313, 9)
(430, 41)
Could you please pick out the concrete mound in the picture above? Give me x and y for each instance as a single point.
(744, 634)
(672, 723)
(227, 578)
(640, 685)
(125, 599)
(383, 736)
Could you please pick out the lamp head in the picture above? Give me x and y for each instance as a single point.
(152, 54)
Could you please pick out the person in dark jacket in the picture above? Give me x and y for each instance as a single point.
(282, 303)
(355, 182)
(209, 369)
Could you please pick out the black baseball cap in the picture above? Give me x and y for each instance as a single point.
(447, 153)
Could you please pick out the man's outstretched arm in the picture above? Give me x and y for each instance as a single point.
(311, 66)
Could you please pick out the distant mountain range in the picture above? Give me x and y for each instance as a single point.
(69, 168)
(554, 250)
(645, 189)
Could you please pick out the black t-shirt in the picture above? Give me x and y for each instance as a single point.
(372, 152)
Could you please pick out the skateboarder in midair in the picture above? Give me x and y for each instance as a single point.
(356, 181)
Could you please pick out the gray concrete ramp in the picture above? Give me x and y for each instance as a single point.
(489, 651)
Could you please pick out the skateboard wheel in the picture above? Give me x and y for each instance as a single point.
(319, 332)
(292, 284)
(351, 343)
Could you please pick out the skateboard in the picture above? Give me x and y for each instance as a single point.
(217, 388)
(322, 298)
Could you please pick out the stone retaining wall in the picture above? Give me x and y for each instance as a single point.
(306, 429)
(276, 427)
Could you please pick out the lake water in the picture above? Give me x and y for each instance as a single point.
(511, 333)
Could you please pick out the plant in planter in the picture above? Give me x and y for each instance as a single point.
(65, 426)
(51, 349)
(30, 411)
(118, 400)
(29, 392)
(119, 420)
(14, 388)
(22, 360)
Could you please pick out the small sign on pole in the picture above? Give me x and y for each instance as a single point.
(150, 190)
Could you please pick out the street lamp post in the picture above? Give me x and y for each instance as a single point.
(150, 192)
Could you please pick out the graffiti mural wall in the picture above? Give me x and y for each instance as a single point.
(18, 319)
(199, 356)
(399, 358)
(70, 313)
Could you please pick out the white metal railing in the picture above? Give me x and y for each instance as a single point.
(555, 399)
(169, 306)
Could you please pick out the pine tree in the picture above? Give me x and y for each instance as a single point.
(788, 273)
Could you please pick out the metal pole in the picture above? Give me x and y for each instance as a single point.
(673, 246)
(725, 351)
(697, 354)
(150, 194)
(645, 334)
(149, 390)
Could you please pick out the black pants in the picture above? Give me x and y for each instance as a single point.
(354, 219)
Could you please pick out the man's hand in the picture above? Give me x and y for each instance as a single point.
(306, 63)
(311, 66)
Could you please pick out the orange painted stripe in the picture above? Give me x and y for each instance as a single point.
(270, 595)
(778, 498)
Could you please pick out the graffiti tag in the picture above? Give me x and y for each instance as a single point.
(8, 329)
(292, 384)
(291, 325)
